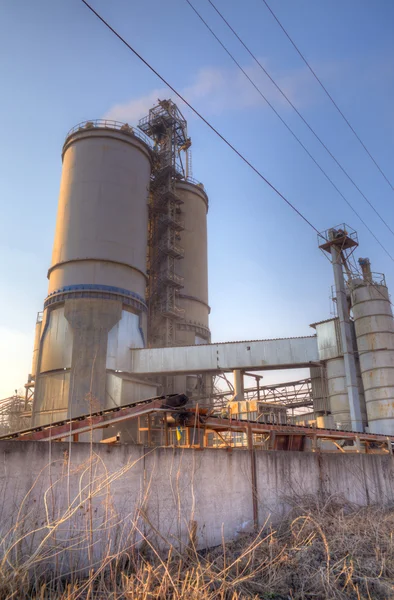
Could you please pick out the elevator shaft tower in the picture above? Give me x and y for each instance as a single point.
(340, 242)
(167, 127)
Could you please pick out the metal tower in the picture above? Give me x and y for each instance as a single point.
(167, 127)
(340, 242)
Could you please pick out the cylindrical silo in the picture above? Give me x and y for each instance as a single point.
(375, 341)
(95, 309)
(102, 220)
(321, 404)
(193, 328)
(337, 393)
(331, 354)
(193, 298)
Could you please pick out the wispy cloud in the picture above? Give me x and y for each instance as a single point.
(217, 91)
(137, 107)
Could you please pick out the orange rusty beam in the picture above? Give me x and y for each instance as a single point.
(221, 424)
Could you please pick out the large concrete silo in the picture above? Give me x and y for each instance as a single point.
(193, 328)
(95, 309)
(375, 341)
(193, 297)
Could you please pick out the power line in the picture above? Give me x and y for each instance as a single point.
(327, 93)
(299, 114)
(289, 128)
(237, 152)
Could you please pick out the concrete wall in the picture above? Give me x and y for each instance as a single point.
(107, 498)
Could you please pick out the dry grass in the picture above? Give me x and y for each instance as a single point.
(329, 551)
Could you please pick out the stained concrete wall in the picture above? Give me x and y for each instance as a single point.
(105, 499)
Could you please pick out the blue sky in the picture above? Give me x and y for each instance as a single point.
(60, 66)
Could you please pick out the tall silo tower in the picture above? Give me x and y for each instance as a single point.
(374, 325)
(193, 297)
(95, 309)
(193, 328)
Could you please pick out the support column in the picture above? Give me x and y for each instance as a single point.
(90, 320)
(249, 436)
(238, 385)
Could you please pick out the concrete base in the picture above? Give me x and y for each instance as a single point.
(90, 320)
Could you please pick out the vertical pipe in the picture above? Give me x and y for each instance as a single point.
(258, 387)
(166, 439)
(149, 430)
(346, 338)
(36, 349)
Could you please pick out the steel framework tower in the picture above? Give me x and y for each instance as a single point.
(340, 242)
(166, 125)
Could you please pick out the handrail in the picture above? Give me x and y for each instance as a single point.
(110, 124)
(195, 182)
(378, 278)
(124, 128)
(167, 274)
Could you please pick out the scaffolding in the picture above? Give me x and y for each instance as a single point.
(15, 413)
(292, 394)
(167, 127)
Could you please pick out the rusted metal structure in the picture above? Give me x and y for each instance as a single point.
(292, 394)
(167, 127)
(210, 430)
(15, 413)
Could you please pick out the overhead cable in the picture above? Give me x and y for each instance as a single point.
(327, 93)
(289, 129)
(299, 114)
(199, 115)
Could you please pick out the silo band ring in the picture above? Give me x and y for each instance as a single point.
(90, 290)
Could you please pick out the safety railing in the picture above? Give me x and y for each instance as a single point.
(378, 278)
(169, 247)
(170, 277)
(195, 182)
(113, 125)
(174, 222)
(174, 312)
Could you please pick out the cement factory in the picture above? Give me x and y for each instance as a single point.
(123, 346)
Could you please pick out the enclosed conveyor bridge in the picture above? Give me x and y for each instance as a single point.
(255, 355)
